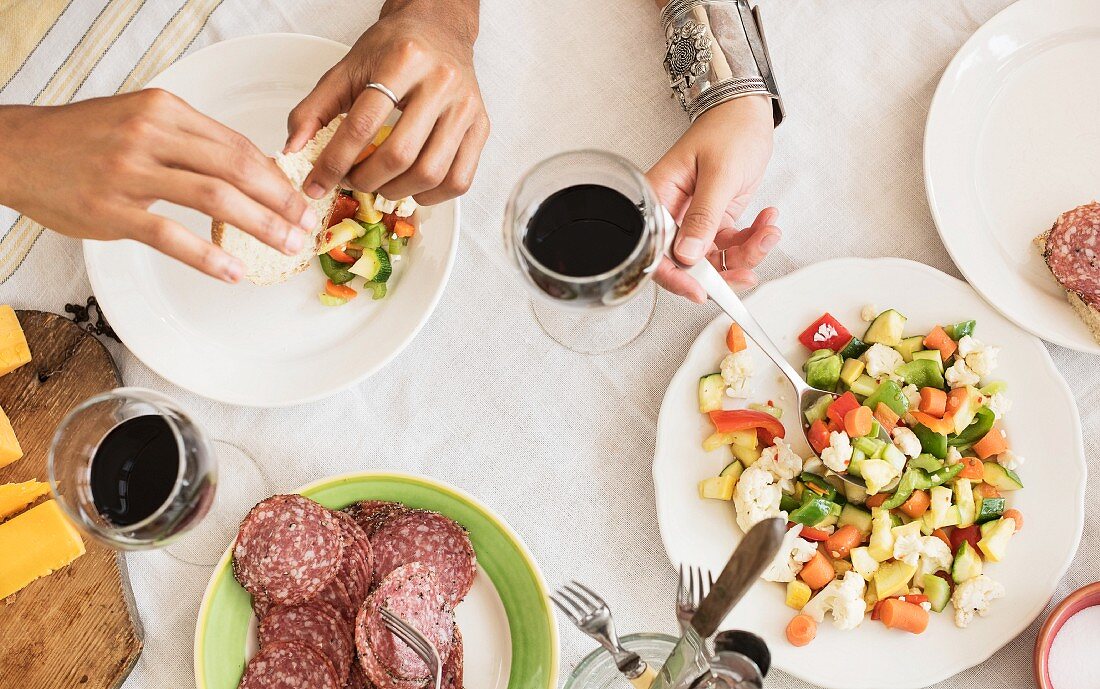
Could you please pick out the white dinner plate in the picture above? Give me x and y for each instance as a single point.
(262, 346)
(1013, 140)
(704, 532)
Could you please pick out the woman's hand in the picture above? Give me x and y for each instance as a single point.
(92, 169)
(706, 180)
(422, 50)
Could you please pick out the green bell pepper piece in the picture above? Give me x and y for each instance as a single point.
(787, 503)
(926, 462)
(931, 442)
(945, 474)
(960, 330)
(918, 479)
(811, 512)
(982, 423)
(890, 394)
(921, 372)
(335, 271)
(831, 494)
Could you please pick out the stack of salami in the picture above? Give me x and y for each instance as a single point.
(319, 579)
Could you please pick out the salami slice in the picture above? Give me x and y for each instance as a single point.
(411, 592)
(371, 514)
(336, 595)
(287, 550)
(316, 625)
(1073, 252)
(431, 538)
(359, 560)
(357, 680)
(289, 665)
(452, 669)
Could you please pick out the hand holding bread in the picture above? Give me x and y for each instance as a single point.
(92, 169)
(423, 53)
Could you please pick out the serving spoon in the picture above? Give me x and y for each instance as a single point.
(723, 295)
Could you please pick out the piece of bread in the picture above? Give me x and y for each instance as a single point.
(1086, 313)
(263, 264)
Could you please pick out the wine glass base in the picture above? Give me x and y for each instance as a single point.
(598, 332)
(242, 482)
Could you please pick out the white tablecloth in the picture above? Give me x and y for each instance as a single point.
(558, 443)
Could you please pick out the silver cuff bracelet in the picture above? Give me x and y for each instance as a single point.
(717, 52)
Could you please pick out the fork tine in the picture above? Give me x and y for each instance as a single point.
(568, 613)
(580, 609)
(699, 581)
(681, 588)
(581, 597)
(595, 596)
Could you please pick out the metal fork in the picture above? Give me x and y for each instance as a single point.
(417, 642)
(591, 615)
(692, 590)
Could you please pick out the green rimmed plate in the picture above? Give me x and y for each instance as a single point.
(511, 637)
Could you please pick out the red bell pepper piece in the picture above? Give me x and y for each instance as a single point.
(825, 333)
(819, 436)
(337, 254)
(729, 421)
(345, 208)
(840, 408)
(970, 534)
(812, 534)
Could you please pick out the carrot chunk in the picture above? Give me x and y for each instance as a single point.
(841, 541)
(917, 504)
(972, 469)
(817, 572)
(994, 443)
(938, 339)
(735, 339)
(801, 630)
(933, 402)
(858, 422)
(887, 417)
(908, 617)
(1016, 516)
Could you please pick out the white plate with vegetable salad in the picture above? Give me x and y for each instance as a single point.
(279, 344)
(944, 540)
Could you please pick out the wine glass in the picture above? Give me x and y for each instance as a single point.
(132, 469)
(587, 232)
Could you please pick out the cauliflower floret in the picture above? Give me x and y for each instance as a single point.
(981, 358)
(881, 360)
(912, 393)
(960, 375)
(384, 205)
(877, 473)
(868, 313)
(405, 207)
(974, 596)
(792, 554)
(953, 456)
(782, 462)
(839, 453)
(999, 404)
(935, 555)
(756, 497)
(736, 371)
(844, 597)
(907, 548)
(1010, 460)
(906, 441)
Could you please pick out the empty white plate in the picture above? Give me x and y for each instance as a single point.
(261, 346)
(1013, 139)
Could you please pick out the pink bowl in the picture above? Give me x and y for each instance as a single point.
(1082, 598)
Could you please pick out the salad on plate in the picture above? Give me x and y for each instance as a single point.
(936, 511)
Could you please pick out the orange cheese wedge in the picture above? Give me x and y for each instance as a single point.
(9, 444)
(14, 497)
(14, 351)
(35, 544)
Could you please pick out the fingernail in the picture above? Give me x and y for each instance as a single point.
(773, 215)
(315, 191)
(233, 271)
(295, 240)
(768, 241)
(691, 248)
(309, 220)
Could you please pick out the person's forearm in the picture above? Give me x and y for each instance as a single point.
(461, 15)
(9, 155)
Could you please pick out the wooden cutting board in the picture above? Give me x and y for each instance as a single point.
(77, 627)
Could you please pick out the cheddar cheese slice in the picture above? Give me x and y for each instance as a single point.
(14, 351)
(36, 543)
(14, 497)
(9, 444)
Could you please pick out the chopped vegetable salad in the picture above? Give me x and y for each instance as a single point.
(936, 509)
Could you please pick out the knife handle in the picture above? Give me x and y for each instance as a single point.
(644, 680)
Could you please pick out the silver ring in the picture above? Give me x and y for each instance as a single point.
(385, 91)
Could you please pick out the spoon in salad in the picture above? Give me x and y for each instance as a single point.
(723, 295)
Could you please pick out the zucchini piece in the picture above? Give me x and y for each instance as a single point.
(937, 590)
(340, 234)
(887, 329)
(329, 300)
(857, 517)
(964, 499)
(1000, 478)
(767, 409)
(374, 266)
(966, 565)
(994, 387)
(864, 386)
(908, 346)
(717, 488)
(747, 455)
(854, 349)
(716, 440)
(851, 370)
(818, 409)
(932, 355)
(798, 594)
(989, 509)
(372, 238)
(892, 578)
(815, 512)
(823, 372)
(994, 542)
(712, 389)
(734, 469)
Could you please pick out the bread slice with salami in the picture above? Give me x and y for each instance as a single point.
(1071, 249)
